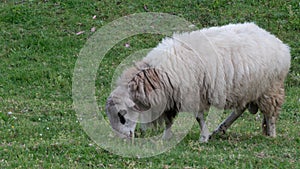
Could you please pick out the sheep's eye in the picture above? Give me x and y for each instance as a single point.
(121, 117)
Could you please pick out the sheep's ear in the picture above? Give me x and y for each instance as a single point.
(137, 106)
(129, 102)
(141, 107)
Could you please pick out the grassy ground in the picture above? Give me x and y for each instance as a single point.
(39, 48)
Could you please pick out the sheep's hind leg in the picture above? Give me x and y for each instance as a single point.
(270, 104)
(229, 120)
(204, 136)
(268, 126)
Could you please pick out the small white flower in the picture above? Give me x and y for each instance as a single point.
(9, 113)
(93, 29)
(80, 32)
(257, 118)
(94, 17)
(127, 45)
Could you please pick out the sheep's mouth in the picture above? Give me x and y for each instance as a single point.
(128, 137)
(131, 135)
(123, 135)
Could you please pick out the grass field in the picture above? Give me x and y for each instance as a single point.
(39, 46)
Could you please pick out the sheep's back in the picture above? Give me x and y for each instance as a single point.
(224, 66)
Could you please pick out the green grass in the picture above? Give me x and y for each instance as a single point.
(39, 48)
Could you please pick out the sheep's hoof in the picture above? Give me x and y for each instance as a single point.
(272, 133)
(167, 135)
(204, 139)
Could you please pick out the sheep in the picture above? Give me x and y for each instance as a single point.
(235, 67)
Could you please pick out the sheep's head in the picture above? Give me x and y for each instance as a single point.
(123, 113)
(142, 100)
(118, 108)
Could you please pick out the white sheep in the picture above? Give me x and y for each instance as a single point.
(237, 66)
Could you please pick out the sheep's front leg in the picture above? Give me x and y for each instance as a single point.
(229, 120)
(168, 134)
(204, 136)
